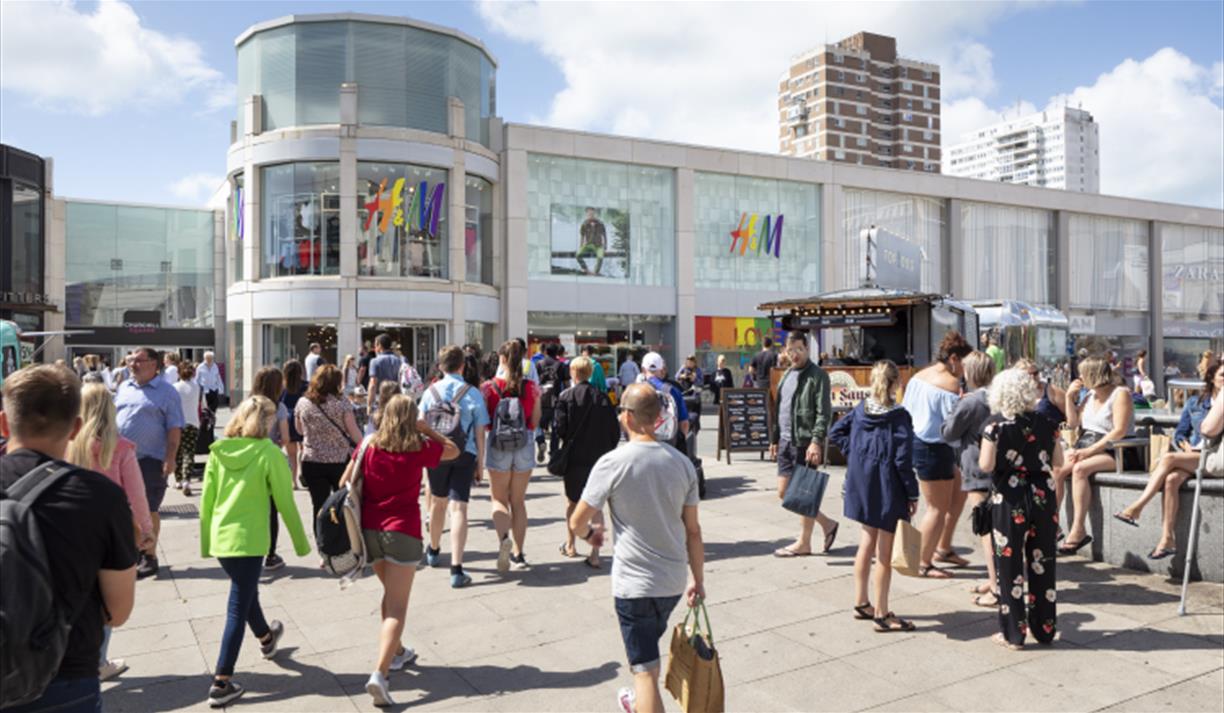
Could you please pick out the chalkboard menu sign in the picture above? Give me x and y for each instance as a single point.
(743, 421)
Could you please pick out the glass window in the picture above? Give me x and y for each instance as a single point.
(1109, 263)
(756, 233)
(1193, 261)
(27, 246)
(916, 219)
(235, 229)
(1007, 253)
(401, 220)
(595, 220)
(478, 230)
(301, 219)
(614, 336)
(481, 334)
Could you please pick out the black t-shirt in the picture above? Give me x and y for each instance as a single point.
(86, 525)
(762, 363)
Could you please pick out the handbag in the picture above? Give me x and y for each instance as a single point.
(1158, 446)
(805, 491)
(980, 517)
(694, 673)
(908, 555)
(1213, 463)
(558, 462)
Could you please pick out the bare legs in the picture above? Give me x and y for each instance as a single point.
(646, 689)
(596, 521)
(955, 507)
(939, 496)
(1081, 492)
(397, 585)
(1173, 470)
(991, 577)
(879, 543)
(458, 528)
(509, 493)
(803, 545)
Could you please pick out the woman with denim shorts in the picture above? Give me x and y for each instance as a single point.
(510, 470)
(393, 461)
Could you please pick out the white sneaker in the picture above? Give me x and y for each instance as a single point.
(626, 698)
(378, 690)
(403, 658)
(503, 555)
(111, 669)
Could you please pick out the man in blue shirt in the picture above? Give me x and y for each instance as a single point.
(150, 414)
(656, 371)
(453, 480)
(384, 367)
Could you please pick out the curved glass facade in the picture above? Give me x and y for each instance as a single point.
(404, 76)
(301, 219)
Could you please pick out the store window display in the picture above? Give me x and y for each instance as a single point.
(478, 230)
(401, 220)
(301, 226)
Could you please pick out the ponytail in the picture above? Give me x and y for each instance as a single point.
(512, 352)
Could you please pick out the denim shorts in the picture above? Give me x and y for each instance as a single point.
(642, 623)
(453, 479)
(154, 481)
(933, 461)
(520, 461)
(395, 547)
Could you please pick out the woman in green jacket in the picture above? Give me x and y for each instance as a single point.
(246, 472)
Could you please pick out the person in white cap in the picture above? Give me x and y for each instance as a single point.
(654, 369)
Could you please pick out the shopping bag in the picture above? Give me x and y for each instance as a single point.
(907, 549)
(1159, 446)
(805, 491)
(694, 675)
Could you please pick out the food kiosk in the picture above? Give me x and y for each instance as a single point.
(1025, 331)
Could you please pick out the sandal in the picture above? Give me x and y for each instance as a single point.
(891, 622)
(567, 551)
(1162, 552)
(998, 639)
(592, 561)
(983, 588)
(864, 612)
(788, 552)
(950, 557)
(932, 572)
(1070, 549)
(830, 537)
(992, 604)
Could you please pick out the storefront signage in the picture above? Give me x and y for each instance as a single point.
(1082, 323)
(141, 321)
(749, 240)
(36, 300)
(423, 212)
(828, 321)
(890, 260)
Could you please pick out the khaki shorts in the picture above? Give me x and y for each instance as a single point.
(395, 547)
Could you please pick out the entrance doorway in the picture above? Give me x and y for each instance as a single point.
(418, 344)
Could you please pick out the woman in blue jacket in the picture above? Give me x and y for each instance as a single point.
(880, 487)
(1177, 466)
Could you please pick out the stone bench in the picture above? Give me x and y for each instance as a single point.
(1120, 544)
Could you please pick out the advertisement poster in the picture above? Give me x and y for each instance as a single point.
(590, 241)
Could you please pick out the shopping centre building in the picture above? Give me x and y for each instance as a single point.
(372, 187)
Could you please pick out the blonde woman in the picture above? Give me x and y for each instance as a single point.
(1019, 450)
(877, 438)
(1107, 414)
(349, 370)
(99, 447)
(246, 473)
(392, 465)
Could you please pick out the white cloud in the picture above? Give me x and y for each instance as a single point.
(66, 58)
(196, 188)
(708, 73)
(962, 115)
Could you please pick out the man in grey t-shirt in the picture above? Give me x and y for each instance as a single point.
(651, 490)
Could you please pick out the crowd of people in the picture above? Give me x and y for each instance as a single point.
(106, 443)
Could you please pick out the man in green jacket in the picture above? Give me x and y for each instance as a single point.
(804, 409)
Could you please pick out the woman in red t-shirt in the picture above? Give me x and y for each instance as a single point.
(510, 465)
(395, 458)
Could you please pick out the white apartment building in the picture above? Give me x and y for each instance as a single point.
(1050, 149)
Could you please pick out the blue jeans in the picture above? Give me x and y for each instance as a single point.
(642, 623)
(243, 609)
(66, 695)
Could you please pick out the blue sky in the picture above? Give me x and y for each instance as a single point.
(148, 127)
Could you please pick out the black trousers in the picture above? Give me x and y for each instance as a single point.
(212, 398)
(1024, 538)
(321, 479)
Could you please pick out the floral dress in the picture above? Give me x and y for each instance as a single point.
(1025, 518)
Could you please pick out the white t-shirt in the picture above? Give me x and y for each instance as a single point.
(189, 394)
(170, 374)
(646, 486)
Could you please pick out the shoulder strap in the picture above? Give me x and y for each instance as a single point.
(358, 464)
(333, 422)
(32, 485)
(433, 391)
(458, 395)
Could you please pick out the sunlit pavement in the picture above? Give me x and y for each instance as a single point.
(547, 639)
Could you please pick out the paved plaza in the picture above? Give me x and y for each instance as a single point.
(547, 639)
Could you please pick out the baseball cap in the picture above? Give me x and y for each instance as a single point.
(653, 361)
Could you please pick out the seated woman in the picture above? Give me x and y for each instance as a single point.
(1176, 467)
(1107, 414)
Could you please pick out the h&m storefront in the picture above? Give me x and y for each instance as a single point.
(25, 293)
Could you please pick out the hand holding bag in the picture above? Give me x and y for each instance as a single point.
(805, 491)
(694, 674)
(907, 552)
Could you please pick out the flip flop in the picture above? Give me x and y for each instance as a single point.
(978, 601)
(1128, 520)
(926, 570)
(950, 557)
(1070, 549)
(785, 552)
(830, 537)
(1160, 553)
(864, 612)
(891, 622)
(567, 552)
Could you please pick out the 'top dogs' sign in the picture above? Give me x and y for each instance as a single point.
(747, 239)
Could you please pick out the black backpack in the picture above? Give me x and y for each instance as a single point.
(34, 627)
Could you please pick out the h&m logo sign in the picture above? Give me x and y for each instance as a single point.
(747, 239)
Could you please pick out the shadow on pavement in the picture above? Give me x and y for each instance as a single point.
(728, 486)
(715, 551)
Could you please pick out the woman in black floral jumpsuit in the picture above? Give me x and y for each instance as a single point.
(1020, 450)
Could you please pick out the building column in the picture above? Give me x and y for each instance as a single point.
(833, 249)
(686, 248)
(1155, 361)
(456, 211)
(219, 272)
(954, 253)
(514, 294)
(252, 351)
(348, 186)
(1062, 261)
(253, 186)
(348, 326)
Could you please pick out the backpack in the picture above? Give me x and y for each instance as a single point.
(509, 422)
(34, 627)
(338, 527)
(410, 381)
(667, 425)
(445, 416)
